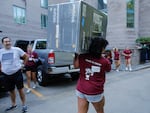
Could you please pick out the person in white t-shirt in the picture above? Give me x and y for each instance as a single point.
(10, 66)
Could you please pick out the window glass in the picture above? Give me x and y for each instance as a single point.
(130, 13)
(44, 19)
(19, 15)
(41, 45)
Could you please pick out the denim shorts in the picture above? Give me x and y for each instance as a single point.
(90, 98)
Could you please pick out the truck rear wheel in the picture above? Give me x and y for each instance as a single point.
(41, 77)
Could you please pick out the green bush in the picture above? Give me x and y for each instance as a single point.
(143, 40)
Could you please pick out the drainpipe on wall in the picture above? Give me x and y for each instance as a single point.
(25, 2)
(100, 4)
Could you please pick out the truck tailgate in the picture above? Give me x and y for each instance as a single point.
(61, 58)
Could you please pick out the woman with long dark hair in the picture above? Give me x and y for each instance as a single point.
(90, 86)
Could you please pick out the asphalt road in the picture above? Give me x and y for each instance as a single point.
(125, 92)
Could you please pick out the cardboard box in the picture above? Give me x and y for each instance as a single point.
(72, 25)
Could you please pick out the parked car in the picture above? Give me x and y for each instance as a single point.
(2, 86)
(53, 63)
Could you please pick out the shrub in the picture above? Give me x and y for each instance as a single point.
(143, 40)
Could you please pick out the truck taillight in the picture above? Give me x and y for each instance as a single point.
(51, 57)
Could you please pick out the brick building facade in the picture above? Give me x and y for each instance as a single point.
(119, 33)
(27, 19)
(23, 19)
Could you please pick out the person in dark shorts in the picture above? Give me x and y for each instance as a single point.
(10, 66)
(90, 86)
(31, 67)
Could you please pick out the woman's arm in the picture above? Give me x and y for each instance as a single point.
(108, 66)
(124, 54)
(76, 61)
(130, 53)
(25, 58)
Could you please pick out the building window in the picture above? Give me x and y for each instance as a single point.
(19, 15)
(130, 13)
(44, 3)
(44, 21)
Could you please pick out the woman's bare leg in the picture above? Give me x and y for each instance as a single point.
(28, 73)
(99, 106)
(83, 105)
(34, 77)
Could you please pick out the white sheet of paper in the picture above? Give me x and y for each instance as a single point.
(95, 69)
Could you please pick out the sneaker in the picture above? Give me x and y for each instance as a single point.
(130, 69)
(11, 108)
(24, 109)
(34, 86)
(126, 69)
(28, 91)
(117, 70)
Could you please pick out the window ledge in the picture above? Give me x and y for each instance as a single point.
(130, 29)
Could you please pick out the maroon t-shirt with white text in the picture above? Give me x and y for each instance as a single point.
(92, 74)
(32, 55)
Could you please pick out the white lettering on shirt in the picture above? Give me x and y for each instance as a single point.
(92, 62)
(94, 69)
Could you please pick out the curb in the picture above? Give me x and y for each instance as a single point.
(137, 67)
(140, 67)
